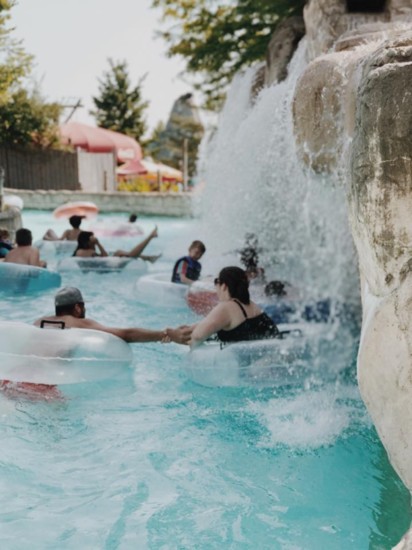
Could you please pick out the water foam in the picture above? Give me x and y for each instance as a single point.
(254, 183)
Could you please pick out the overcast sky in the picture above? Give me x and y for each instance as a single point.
(72, 40)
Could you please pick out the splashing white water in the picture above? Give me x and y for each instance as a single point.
(254, 184)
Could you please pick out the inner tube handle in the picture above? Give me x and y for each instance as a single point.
(56, 324)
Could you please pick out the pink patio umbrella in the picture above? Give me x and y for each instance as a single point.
(100, 140)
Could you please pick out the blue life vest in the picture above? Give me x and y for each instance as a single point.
(193, 269)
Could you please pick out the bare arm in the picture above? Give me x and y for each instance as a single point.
(100, 247)
(35, 257)
(185, 280)
(180, 335)
(217, 319)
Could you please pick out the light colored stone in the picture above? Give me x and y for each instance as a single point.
(152, 204)
(282, 46)
(381, 166)
(327, 20)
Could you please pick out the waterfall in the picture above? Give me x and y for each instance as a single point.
(254, 184)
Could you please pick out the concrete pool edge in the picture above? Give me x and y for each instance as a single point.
(156, 204)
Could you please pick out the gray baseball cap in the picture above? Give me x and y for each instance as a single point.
(68, 296)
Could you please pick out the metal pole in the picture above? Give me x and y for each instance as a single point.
(185, 163)
(2, 176)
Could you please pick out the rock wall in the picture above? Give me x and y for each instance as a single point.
(353, 116)
(352, 112)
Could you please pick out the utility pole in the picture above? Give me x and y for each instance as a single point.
(73, 108)
(185, 163)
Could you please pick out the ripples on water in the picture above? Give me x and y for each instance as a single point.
(159, 462)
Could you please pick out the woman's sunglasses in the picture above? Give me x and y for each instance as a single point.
(216, 281)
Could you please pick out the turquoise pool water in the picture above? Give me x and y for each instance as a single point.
(158, 462)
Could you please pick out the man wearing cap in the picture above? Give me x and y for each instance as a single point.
(69, 234)
(70, 309)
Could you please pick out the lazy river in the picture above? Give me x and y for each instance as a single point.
(157, 461)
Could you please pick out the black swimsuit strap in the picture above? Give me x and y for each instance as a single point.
(241, 307)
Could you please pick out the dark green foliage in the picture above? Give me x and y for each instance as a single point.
(219, 38)
(27, 120)
(119, 107)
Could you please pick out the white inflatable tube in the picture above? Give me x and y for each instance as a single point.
(157, 289)
(56, 356)
(13, 201)
(274, 362)
(23, 279)
(106, 264)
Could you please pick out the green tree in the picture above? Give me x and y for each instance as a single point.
(217, 38)
(15, 62)
(27, 120)
(25, 117)
(119, 106)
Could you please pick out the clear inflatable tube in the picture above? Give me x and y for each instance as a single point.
(157, 289)
(105, 264)
(53, 249)
(56, 356)
(274, 362)
(23, 279)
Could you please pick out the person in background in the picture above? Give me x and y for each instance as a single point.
(69, 234)
(188, 268)
(88, 246)
(5, 243)
(235, 318)
(249, 257)
(25, 253)
(70, 309)
(132, 218)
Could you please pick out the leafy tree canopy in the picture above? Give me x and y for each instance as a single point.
(25, 117)
(119, 106)
(15, 63)
(27, 120)
(217, 38)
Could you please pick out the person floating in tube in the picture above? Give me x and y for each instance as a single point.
(188, 268)
(235, 318)
(249, 258)
(69, 234)
(24, 253)
(89, 246)
(70, 310)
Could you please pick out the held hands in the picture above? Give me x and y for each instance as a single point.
(179, 335)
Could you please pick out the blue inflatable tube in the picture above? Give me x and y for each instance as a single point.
(55, 356)
(23, 279)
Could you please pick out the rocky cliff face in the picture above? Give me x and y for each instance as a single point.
(183, 130)
(353, 115)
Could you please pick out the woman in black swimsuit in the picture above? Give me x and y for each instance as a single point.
(236, 318)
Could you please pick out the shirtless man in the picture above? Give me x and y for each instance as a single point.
(70, 309)
(25, 253)
(69, 234)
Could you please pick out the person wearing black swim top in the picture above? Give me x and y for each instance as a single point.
(236, 318)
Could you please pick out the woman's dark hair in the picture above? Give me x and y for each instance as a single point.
(237, 283)
(83, 241)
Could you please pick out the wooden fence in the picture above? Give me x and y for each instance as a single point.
(35, 170)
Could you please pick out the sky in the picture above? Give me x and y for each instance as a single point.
(72, 41)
